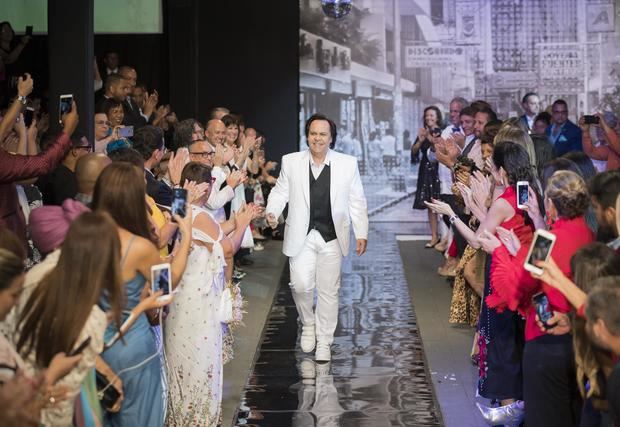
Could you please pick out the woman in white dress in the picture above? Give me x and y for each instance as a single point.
(192, 330)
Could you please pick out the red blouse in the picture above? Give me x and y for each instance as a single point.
(513, 286)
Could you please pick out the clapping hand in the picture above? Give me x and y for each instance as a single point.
(440, 207)
(488, 242)
(509, 239)
(176, 164)
(195, 191)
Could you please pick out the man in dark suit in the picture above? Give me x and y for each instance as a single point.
(563, 134)
(531, 107)
(134, 115)
(149, 142)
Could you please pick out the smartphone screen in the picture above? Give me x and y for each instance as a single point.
(64, 106)
(540, 250)
(125, 132)
(541, 303)
(179, 200)
(160, 278)
(522, 193)
(28, 116)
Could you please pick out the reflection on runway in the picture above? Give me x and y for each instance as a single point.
(377, 376)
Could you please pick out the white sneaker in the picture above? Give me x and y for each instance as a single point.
(323, 352)
(308, 338)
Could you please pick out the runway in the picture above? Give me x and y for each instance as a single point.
(378, 375)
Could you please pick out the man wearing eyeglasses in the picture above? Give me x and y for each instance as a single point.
(61, 184)
(223, 187)
(565, 136)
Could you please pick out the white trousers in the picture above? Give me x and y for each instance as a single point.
(317, 266)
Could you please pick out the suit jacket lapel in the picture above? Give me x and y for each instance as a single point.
(305, 177)
(332, 180)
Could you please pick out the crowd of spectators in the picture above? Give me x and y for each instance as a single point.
(86, 339)
(546, 341)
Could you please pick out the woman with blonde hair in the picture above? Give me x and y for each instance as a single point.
(517, 135)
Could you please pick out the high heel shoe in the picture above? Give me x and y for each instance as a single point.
(510, 415)
(441, 246)
(431, 244)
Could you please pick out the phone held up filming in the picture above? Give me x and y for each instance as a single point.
(541, 247)
(66, 102)
(523, 193)
(161, 278)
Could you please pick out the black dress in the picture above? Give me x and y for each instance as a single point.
(428, 186)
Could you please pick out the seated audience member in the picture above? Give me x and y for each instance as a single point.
(114, 112)
(603, 325)
(604, 189)
(61, 184)
(548, 361)
(103, 132)
(87, 171)
(18, 167)
(607, 146)
(120, 191)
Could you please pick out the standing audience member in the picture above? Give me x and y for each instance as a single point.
(609, 150)
(428, 185)
(563, 134)
(531, 108)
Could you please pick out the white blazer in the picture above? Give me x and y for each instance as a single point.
(346, 195)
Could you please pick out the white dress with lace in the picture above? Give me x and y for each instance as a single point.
(193, 336)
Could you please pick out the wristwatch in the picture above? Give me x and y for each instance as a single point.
(453, 219)
(22, 99)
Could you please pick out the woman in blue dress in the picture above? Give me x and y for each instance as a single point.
(135, 358)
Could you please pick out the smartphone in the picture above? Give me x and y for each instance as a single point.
(541, 303)
(436, 132)
(29, 30)
(591, 120)
(161, 278)
(523, 193)
(179, 200)
(65, 105)
(80, 348)
(540, 249)
(28, 116)
(125, 132)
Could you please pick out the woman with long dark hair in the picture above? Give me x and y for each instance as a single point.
(428, 186)
(120, 191)
(500, 342)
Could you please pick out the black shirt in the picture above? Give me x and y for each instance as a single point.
(59, 185)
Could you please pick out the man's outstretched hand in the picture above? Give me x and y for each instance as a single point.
(361, 247)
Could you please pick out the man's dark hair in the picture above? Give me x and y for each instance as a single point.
(183, 133)
(603, 302)
(76, 139)
(527, 95)
(605, 187)
(583, 162)
(468, 111)
(147, 140)
(559, 102)
(111, 80)
(489, 112)
(480, 103)
(197, 172)
(128, 155)
(332, 127)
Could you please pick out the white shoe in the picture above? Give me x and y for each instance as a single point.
(323, 352)
(308, 338)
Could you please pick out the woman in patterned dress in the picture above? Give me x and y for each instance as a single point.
(192, 330)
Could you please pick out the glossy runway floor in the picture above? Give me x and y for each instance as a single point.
(378, 374)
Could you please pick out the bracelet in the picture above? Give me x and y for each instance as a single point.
(22, 99)
(453, 219)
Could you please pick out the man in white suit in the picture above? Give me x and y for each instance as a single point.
(324, 193)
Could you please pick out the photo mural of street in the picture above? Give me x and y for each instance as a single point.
(374, 71)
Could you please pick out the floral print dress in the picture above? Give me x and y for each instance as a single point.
(193, 336)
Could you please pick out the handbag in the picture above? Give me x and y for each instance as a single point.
(107, 394)
(225, 308)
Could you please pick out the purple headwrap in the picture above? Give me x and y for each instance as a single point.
(49, 224)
